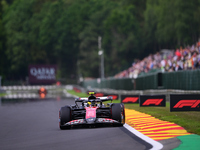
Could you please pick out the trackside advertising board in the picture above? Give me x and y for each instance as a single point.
(185, 102)
(99, 94)
(77, 90)
(152, 100)
(42, 74)
(130, 98)
(115, 96)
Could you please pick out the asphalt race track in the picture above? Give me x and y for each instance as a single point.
(33, 125)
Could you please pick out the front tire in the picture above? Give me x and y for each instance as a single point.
(65, 116)
(118, 113)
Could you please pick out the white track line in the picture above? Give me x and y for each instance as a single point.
(156, 145)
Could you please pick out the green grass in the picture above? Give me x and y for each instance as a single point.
(2, 94)
(77, 94)
(189, 120)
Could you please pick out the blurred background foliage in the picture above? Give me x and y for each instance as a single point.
(65, 33)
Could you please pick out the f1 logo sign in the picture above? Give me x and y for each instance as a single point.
(185, 102)
(189, 103)
(114, 96)
(152, 102)
(129, 98)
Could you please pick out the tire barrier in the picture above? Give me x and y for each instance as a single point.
(31, 92)
(21, 96)
(27, 87)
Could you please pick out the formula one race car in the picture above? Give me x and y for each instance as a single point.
(92, 112)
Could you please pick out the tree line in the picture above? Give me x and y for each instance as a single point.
(65, 33)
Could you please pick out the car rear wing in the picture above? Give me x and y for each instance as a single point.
(98, 99)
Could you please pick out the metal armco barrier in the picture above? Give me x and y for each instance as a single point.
(185, 102)
(152, 100)
(130, 98)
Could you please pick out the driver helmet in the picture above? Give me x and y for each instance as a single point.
(92, 96)
(88, 104)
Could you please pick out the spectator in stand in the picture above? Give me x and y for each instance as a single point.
(182, 59)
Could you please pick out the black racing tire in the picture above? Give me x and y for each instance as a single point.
(65, 116)
(118, 113)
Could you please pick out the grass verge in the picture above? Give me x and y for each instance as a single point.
(188, 120)
(2, 94)
(77, 94)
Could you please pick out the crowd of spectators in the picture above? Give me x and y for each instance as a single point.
(187, 58)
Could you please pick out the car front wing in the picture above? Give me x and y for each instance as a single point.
(92, 121)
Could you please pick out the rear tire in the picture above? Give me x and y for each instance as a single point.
(65, 116)
(118, 113)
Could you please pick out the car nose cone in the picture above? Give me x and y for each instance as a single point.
(90, 120)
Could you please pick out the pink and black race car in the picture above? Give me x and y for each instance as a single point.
(92, 112)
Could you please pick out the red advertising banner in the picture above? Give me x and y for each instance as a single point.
(130, 98)
(42, 74)
(114, 96)
(99, 94)
(185, 102)
(152, 100)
